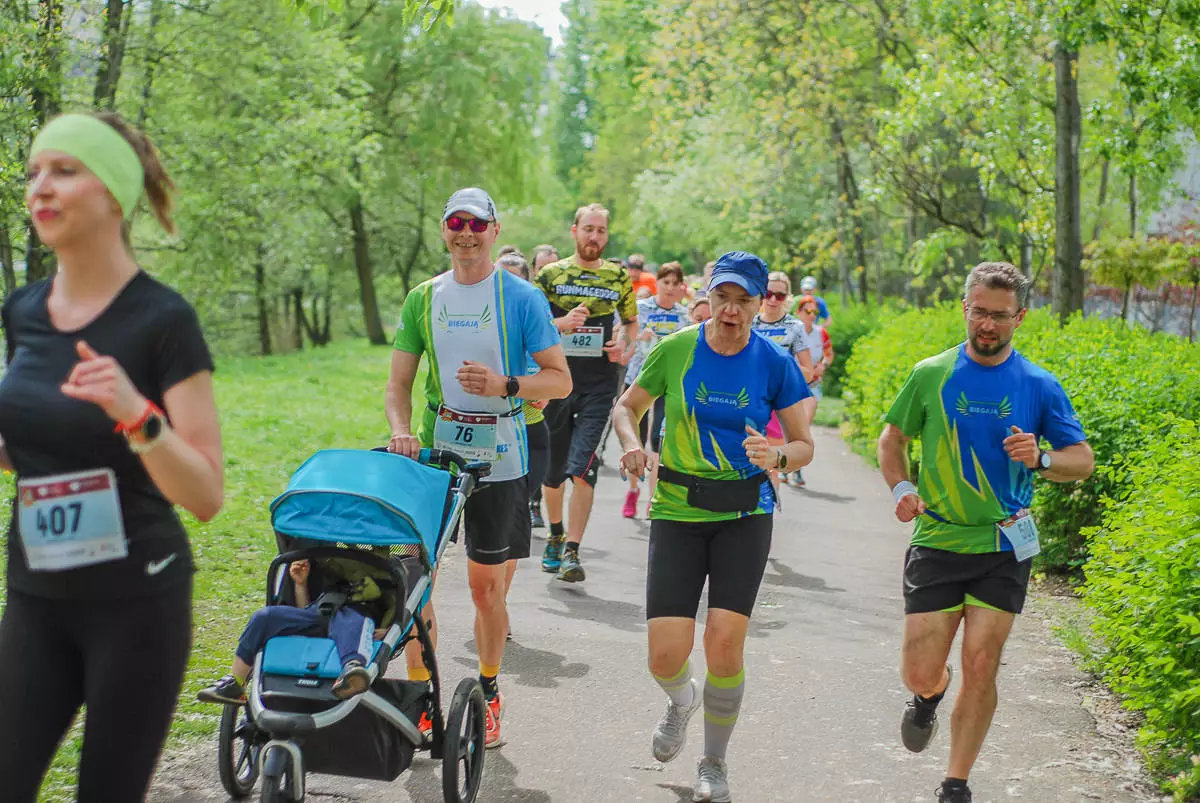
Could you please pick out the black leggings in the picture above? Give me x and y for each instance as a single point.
(124, 658)
(539, 457)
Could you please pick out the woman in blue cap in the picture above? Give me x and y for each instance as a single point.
(107, 418)
(711, 512)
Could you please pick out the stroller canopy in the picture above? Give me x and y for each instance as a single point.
(362, 497)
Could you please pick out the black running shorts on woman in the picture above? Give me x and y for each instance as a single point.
(731, 555)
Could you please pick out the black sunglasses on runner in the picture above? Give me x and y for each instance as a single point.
(456, 223)
(775, 294)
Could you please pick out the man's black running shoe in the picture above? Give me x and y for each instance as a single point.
(953, 794)
(919, 724)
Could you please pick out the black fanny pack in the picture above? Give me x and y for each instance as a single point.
(719, 496)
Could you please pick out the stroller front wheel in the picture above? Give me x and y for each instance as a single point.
(462, 759)
(237, 751)
(278, 777)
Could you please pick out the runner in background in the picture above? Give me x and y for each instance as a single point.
(543, 255)
(808, 286)
(700, 310)
(787, 332)
(584, 291)
(640, 277)
(658, 317)
(820, 350)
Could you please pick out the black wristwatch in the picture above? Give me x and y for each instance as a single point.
(1043, 461)
(781, 460)
(513, 387)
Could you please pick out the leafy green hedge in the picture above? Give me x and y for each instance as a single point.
(1120, 380)
(1143, 580)
(850, 324)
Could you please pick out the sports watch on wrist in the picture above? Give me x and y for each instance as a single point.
(145, 433)
(1043, 461)
(512, 388)
(781, 459)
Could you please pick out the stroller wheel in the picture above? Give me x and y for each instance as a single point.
(462, 760)
(237, 751)
(278, 771)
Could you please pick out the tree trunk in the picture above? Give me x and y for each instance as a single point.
(260, 296)
(47, 87)
(116, 26)
(843, 277)
(1192, 316)
(1101, 199)
(848, 196)
(1133, 205)
(6, 259)
(1026, 255)
(1067, 291)
(152, 57)
(366, 277)
(1125, 301)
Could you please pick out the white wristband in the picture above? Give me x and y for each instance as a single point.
(903, 489)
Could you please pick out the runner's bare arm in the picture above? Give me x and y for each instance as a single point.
(633, 404)
(804, 360)
(1071, 463)
(553, 381)
(892, 451)
(397, 402)
(187, 467)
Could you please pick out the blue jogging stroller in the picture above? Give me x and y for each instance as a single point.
(373, 526)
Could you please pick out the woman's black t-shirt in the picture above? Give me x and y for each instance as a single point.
(155, 336)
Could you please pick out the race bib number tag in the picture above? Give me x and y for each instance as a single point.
(71, 520)
(585, 341)
(1021, 532)
(470, 435)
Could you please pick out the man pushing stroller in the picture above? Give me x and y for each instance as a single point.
(333, 614)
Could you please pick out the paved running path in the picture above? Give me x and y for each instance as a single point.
(821, 715)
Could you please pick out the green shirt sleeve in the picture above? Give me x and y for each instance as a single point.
(908, 410)
(410, 334)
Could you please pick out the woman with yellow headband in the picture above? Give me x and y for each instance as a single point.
(107, 417)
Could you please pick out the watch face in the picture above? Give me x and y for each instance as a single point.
(152, 428)
(1044, 460)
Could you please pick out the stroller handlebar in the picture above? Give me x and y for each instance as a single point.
(445, 458)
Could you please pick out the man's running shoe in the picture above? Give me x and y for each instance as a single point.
(571, 570)
(552, 554)
(671, 733)
(354, 680)
(712, 781)
(535, 516)
(919, 724)
(953, 794)
(631, 500)
(796, 479)
(492, 714)
(227, 690)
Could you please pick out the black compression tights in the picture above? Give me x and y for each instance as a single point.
(125, 659)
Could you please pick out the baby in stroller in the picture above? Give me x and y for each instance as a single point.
(346, 610)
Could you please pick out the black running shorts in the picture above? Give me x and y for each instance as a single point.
(576, 426)
(937, 580)
(731, 555)
(496, 520)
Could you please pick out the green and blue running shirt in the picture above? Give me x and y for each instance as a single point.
(497, 322)
(963, 411)
(710, 399)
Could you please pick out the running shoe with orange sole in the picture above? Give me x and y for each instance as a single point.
(495, 710)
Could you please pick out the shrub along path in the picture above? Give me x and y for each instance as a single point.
(820, 722)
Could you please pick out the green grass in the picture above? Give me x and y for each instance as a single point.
(275, 412)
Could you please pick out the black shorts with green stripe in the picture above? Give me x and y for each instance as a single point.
(938, 580)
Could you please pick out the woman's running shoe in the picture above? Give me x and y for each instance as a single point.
(631, 500)
(552, 554)
(712, 781)
(671, 733)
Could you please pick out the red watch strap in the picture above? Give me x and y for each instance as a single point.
(151, 409)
